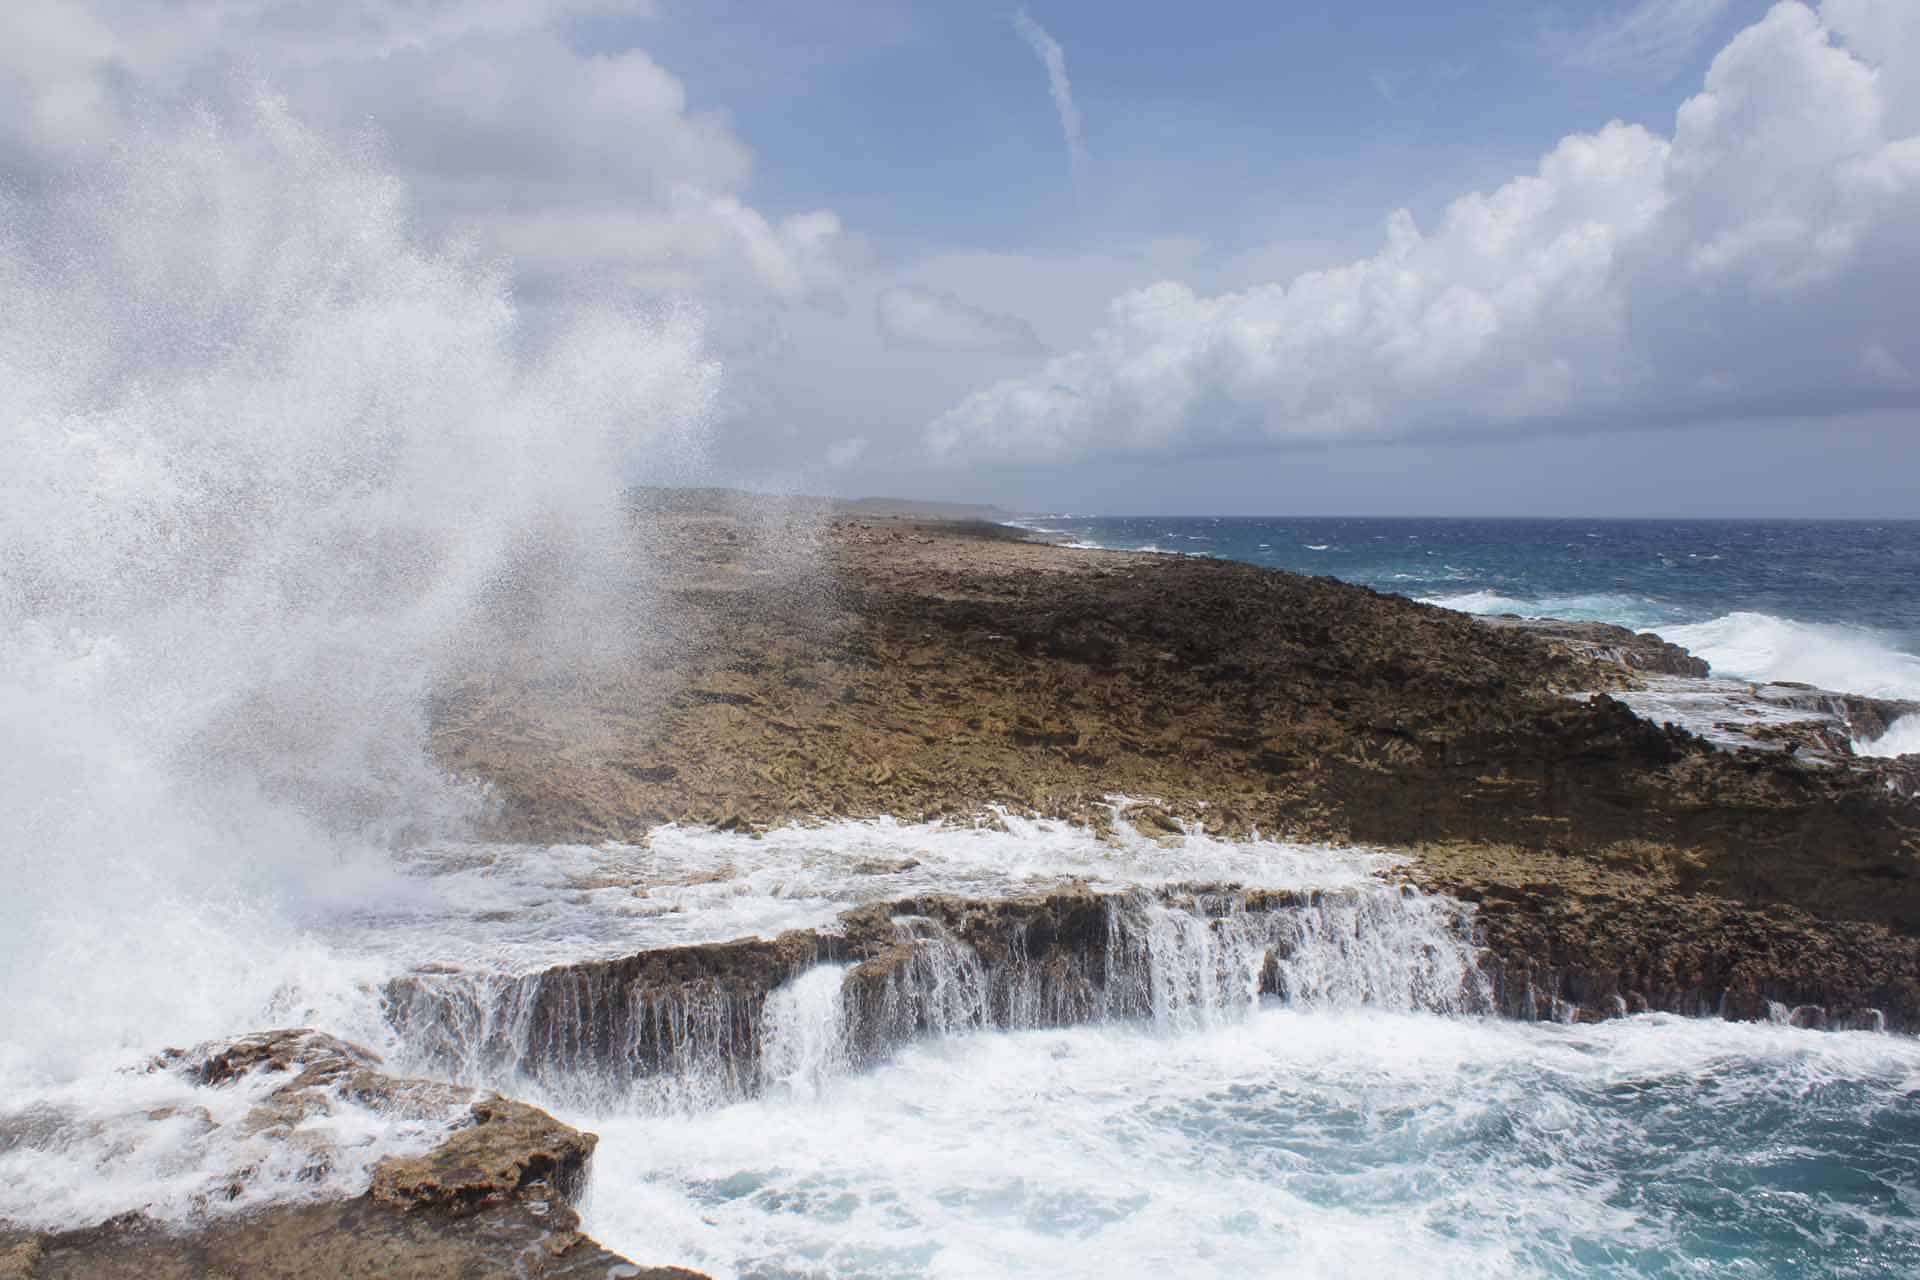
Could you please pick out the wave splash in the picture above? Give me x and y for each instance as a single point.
(1758, 646)
(1901, 738)
(270, 469)
(1741, 645)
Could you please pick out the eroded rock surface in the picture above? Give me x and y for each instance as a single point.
(938, 669)
(1604, 642)
(495, 1198)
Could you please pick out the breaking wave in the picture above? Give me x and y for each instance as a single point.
(1901, 738)
(1758, 646)
(1742, 645)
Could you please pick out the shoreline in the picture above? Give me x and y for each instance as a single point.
(925, 669)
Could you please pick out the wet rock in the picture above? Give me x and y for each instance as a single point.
(1153, 821)
(509, 1148)
(495, 1198)
(590, 1030)
(1606, 643)
(1632, 948)
(356, 1239)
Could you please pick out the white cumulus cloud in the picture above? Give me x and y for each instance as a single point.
(1759, 261)
(935, 321)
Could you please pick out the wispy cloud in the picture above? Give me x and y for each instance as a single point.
(935, 321)
(1648, 39)
(1048, 50)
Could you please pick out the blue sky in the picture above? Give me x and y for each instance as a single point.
(1639, 257)
(1235, 122)
(1231, 144)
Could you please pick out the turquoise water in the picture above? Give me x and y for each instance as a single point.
(1321, 1143)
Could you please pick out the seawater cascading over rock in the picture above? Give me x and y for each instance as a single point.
(701, 1025)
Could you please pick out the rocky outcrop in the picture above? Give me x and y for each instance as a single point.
(591, 1030)
(495, 1198)
(696, 1014)
(1861, 718)
(1554, 955)
(1605, 643)
(358, 1239)
(915, 669)
(691, 1024)
(936, 673)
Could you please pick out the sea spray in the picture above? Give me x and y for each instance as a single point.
(270, 469)
(1757, 646)
(1901, 738)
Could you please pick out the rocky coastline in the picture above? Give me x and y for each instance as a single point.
(812, 662)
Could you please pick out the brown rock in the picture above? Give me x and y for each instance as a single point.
(494, 1199)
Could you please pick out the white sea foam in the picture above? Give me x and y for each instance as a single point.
(1622, 610)
(153, 1142)
(1321, 1144)
(519, 908)
(485, 913)
(1742, 645)
(1758, 646)
(1901, 738)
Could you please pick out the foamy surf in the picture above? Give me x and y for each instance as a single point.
(1745, 646)
(1325, 1143)
(1758, 646)
(1901, 738)
(78, 1142)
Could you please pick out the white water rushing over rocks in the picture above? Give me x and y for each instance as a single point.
(476, 1002)
(271, 469)
(1324, 1142)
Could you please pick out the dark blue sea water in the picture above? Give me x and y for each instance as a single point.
(1832, 603)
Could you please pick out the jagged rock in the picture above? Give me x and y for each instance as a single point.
(1152, 820)
(18, 1259)
(597, 1026)
(509, 1148)
(356, 1239)
(494, 1199)
(1607, 643)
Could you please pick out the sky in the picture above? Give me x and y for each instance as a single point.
(1648, 258)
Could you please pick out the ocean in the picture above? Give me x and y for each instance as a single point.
(269, 470)
(1829, 603)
